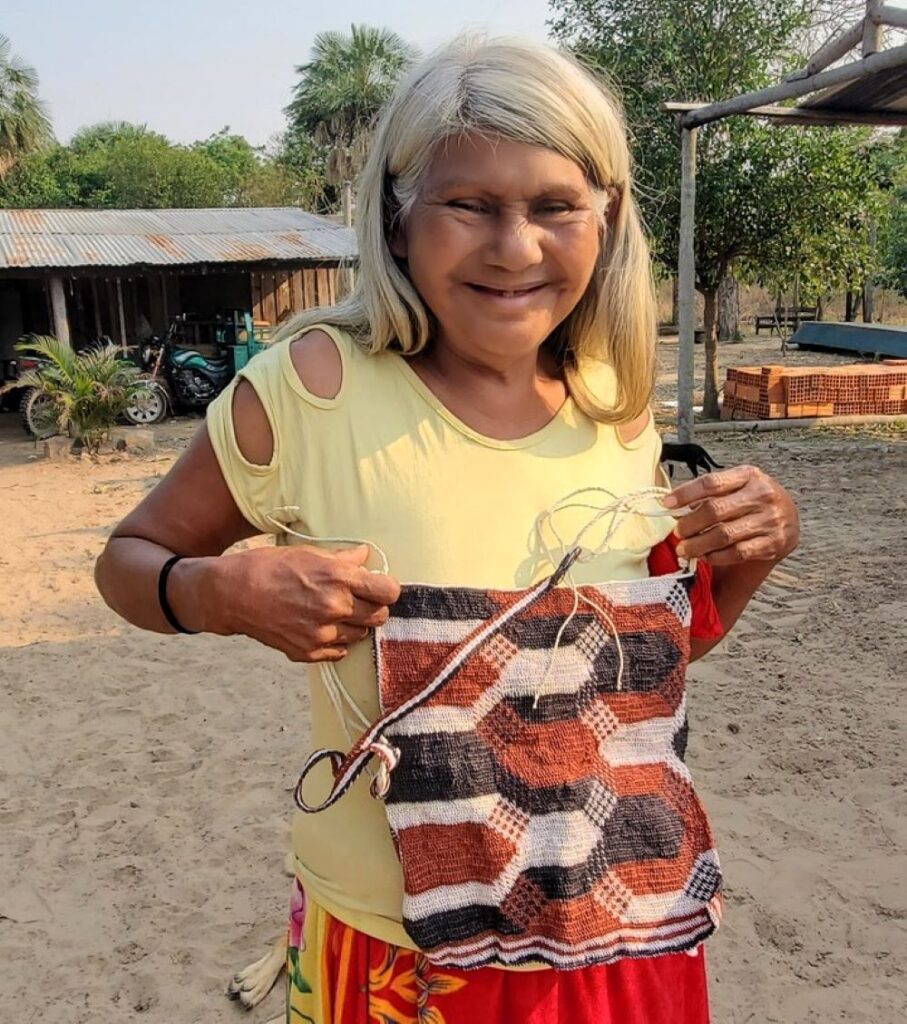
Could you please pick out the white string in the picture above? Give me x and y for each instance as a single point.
(619, 508)
(333, 684)
(354, 541)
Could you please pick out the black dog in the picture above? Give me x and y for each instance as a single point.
(693, 456)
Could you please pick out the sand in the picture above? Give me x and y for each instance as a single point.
(145, 780)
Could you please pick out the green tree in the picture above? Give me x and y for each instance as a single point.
(754, 206)
(342, 88)
(24, 122)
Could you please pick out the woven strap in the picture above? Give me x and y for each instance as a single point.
(348, 768)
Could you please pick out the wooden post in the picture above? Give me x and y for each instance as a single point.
(872, 28)
(122, 315)
(686, 287)
(58, 305)
(164, 304)
(98, 328)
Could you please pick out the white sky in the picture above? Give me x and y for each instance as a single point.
(188, 67)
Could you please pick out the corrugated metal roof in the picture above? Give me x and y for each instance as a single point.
(123, 238)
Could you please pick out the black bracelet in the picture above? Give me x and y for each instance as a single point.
(162, 596)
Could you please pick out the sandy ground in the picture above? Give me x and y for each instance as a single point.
(145, 780)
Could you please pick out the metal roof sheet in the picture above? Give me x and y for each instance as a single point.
(122, 238)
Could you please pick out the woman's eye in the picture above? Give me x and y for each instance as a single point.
(551, 209)
(468, 205)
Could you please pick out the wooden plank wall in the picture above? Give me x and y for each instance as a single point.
(280, 294)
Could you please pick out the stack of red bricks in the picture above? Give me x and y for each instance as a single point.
(780, 392)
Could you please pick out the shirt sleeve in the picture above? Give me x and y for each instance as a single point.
(705, 623)
(256, 489)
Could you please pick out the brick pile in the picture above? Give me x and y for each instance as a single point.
(780, 392)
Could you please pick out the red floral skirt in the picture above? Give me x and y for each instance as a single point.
(337, 975)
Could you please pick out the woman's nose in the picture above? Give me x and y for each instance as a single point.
(516, 243)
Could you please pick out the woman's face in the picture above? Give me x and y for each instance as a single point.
(501, 244)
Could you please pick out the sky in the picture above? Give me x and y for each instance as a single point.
(187, 68)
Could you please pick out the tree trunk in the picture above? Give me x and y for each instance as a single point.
(868, 289)
(850, 311)
(729, 309)
(820, 307)
(710, 409)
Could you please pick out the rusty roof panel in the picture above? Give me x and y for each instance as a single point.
(123, 238)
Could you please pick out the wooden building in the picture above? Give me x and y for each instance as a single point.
(82, 274)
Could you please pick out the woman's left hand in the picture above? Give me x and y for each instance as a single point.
(738, 515)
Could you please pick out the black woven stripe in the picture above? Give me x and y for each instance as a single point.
(441, 766)
(649, 658)
(679, 741)
(565, 796)
(640, 828)
(555, 707)
(540, 633)
(458, 926)
(418, 602)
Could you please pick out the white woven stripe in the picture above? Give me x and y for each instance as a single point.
(648, 590)
(442, 718)
(563, 839)
(442, 631)
(521, 678)
(441, 812)
(647, 742)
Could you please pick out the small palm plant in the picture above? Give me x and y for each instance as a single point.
(84, 392)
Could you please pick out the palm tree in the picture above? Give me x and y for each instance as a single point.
(24, 122)
(342, 88)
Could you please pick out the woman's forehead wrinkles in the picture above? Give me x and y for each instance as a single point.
(487, 185)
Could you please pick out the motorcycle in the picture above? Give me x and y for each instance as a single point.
(36, 410)
(182, 378)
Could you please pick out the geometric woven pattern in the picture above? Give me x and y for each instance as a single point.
(553, 823)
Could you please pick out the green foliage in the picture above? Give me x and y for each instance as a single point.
(751, 203)
(89, 389)
(771, 201)
(117, 165)
(24, 122)
(891, 169)
(342, 88)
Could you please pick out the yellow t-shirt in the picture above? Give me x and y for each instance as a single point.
(385, 461)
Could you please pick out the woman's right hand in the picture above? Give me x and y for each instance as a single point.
(310, 603)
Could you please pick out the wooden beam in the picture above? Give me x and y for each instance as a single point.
(58, 307)
(855, 70)
(807, 115)
(833, 50)
(686, 287)
(896, 17)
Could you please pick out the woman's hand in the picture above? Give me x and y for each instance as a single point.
(309, 603)
(738, 515)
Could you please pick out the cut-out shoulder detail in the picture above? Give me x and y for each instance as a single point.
(318, 363)
(250, 424)
(629, 432)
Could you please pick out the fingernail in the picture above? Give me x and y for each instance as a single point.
(682, 550)
(669, 501)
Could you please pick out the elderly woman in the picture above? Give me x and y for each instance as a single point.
(473, 421)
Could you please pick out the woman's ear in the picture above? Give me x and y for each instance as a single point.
(397, 244)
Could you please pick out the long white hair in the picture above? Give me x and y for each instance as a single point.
(533, 94)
